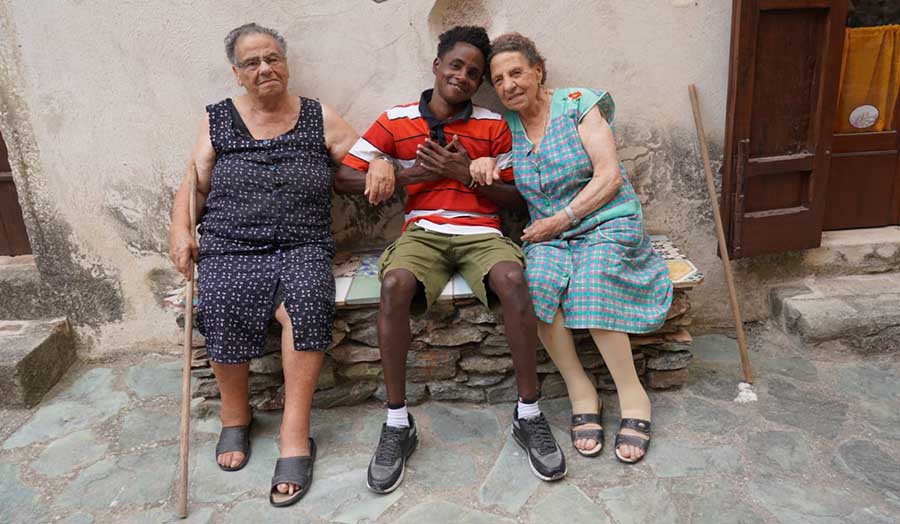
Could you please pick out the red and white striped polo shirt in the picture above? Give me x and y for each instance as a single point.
(443, 205)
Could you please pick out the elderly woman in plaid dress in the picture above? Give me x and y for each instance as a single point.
(589, 263)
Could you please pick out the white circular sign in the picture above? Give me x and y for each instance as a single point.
(864, 116)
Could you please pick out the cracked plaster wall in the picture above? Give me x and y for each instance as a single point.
(102, 101)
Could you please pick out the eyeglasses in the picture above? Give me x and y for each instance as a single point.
(252, 64)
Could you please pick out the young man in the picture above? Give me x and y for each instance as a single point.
(450, 225)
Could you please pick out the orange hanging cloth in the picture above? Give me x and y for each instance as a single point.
(870, 79)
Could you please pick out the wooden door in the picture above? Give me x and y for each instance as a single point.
(13, 237)
(782, 89)
(864, 179)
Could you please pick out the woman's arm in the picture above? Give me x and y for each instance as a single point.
(339, 136)
(379, 181)
(598, 140)
(600, 145)
(183, 248)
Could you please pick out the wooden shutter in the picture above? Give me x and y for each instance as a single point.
(782, 93)
(13, 237)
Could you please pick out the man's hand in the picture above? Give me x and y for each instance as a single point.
(380, 181)
(546, 228)
(484, 170)
(451, 161)
(183, 251)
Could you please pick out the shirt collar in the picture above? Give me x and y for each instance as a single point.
(463, 114)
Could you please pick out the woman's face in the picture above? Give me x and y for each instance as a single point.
(517, 83)
(262, 68)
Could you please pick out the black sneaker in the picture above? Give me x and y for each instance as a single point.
(387, 465)
(544, 454)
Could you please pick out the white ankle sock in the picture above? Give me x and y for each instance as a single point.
(398, 418)
(528, 410)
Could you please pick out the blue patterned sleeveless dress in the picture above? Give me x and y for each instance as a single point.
(603, 273)
(265, 236)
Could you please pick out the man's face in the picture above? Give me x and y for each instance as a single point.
(458, 74)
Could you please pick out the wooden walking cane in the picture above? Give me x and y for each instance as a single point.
(720, 231)
(186, 365)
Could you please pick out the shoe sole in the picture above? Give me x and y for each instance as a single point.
(402, 472)
(537, 474)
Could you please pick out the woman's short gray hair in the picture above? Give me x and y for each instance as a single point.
(518, 43)
(250, 29)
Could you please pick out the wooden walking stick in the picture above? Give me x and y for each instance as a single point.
(186, 365)
(720, 231)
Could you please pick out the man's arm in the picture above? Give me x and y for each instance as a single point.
(504, 194)
(502, 190)
(349, 180)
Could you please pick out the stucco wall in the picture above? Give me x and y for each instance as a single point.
(100, 101)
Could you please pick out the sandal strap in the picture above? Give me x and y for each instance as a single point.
(639, 425)
(591, 434)
(632, 440)
(295, 470)
(585, 418)
(233, 438)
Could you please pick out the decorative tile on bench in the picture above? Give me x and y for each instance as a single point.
(461, 288)
(365, 289)
(447, 293)
(682, 271)
(341, 288)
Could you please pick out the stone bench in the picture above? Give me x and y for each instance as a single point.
(458, 350)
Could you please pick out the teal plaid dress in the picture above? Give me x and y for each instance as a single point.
(603, 272)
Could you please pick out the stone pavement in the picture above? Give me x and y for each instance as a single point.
(820, 446)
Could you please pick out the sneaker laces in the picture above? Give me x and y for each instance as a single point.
(389, 446)
(540, 435)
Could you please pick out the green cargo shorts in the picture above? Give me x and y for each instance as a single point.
(434, 257)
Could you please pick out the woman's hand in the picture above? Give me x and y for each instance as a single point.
(183, 250)
(451, 161)
(381, 181)
(484, 170)
(546, 228)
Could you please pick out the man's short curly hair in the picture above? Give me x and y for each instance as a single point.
(518, 43)
(469, 34)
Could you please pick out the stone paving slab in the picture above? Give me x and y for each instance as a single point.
(787, 450)
(510, 483)
(820, 446)
(124, 480)
(165, 516)
(791, 501)
(568, 505)
(440, 511)
(69, 452)
(675, 459)
(19, 500)
(89, 401)
(647, 501)
(721, 506)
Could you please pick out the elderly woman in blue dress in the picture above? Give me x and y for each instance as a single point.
(589, 263)
(264, 164)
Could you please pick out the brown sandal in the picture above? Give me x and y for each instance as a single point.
(590, 433)
(642, 427)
